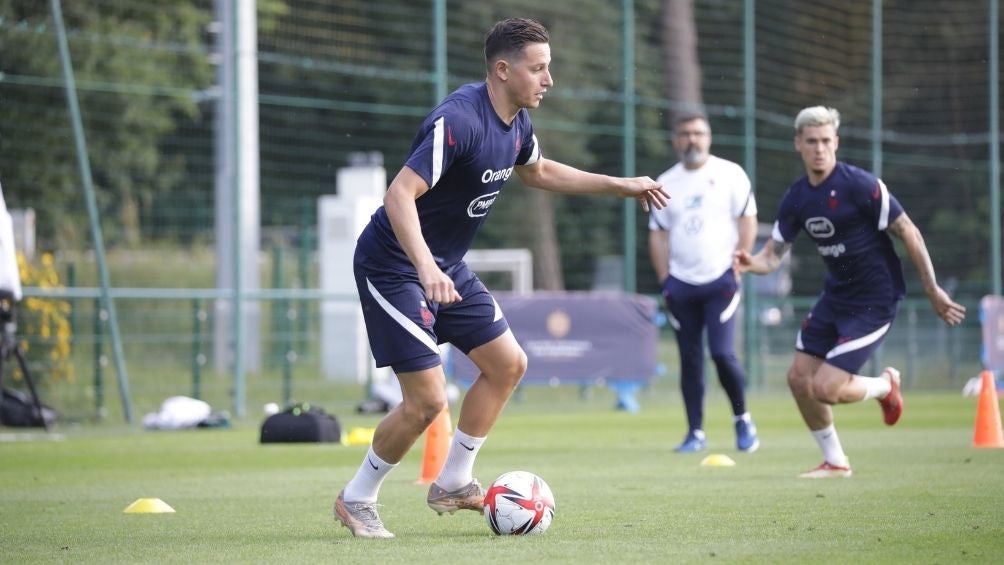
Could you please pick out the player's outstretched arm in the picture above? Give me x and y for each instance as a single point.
(947, 309)
(767, 260)
(399, 203)
(558, 177)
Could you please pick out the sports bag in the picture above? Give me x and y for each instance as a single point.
(301, 423)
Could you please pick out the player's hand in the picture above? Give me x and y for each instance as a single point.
(648, 192)
(947, 309)
(741, 261)
(438, 287)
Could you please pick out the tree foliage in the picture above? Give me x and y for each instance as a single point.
(344, 76)
(135, 66)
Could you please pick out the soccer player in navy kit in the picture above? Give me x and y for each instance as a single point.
(417, 292)
(691, 241)
(848, 213)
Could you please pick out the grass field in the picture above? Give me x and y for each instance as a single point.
(920, 493)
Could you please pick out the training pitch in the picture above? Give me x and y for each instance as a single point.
(920, 492)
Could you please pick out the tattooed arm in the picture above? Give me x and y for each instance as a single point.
(767, 260)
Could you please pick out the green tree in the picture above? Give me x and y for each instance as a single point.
(137, 68)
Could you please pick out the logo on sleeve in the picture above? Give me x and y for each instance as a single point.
(449, 137)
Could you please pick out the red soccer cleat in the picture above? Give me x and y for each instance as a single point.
(892, 404)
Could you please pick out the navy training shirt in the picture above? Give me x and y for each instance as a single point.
(846, 216)
(465, 153)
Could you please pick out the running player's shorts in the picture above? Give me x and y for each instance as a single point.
(405, 329)
(844, 336)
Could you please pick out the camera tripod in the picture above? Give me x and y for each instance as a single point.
(9, 347)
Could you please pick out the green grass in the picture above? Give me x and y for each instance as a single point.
(920, 494)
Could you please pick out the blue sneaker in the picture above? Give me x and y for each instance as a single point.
(694, 442)
(746, 439)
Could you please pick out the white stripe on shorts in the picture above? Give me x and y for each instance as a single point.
(402, 320)
(858, 343)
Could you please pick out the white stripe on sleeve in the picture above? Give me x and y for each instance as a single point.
(883, 222)
(437, 151)
(535, 156)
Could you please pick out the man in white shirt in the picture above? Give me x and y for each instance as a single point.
(711, 214)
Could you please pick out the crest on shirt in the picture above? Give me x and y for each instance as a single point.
(693, 201)
(832, 200)
(693, 225)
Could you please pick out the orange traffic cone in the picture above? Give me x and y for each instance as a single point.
(437, 445)
(988, 415)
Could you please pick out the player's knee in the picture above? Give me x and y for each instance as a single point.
(798, 382)
(724, 359)
(513, 370)
(423, 411)
(824, 392)
(518, 367)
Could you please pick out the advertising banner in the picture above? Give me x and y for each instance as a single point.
(578, 336)
(992, 317)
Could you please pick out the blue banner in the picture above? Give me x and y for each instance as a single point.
(578, 336)
(992, 317)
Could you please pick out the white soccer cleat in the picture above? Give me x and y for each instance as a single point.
(468, 497)
(360, 518)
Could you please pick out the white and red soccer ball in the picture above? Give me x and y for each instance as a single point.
(519, 503)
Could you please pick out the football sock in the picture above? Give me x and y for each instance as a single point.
(875, 387)
(365, 485)
(829, 444)
(745, 416)
(458, 470)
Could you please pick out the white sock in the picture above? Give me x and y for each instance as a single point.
(745, 416)
(829, 444)
(875, 387)
(458, 469)
(365, 485)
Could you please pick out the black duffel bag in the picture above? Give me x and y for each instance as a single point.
(301, 423)
(17, 409)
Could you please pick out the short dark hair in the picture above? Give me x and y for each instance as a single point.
(683, 117)
(510, 36)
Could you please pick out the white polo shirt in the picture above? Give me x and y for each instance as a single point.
(701, 217)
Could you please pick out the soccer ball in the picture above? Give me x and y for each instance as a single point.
(519, 503)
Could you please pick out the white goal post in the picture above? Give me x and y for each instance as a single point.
(517, 262)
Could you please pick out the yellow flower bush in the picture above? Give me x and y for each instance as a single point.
(44, 323)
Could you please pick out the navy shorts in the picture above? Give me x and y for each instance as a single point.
(844, 335)
(405, 329)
